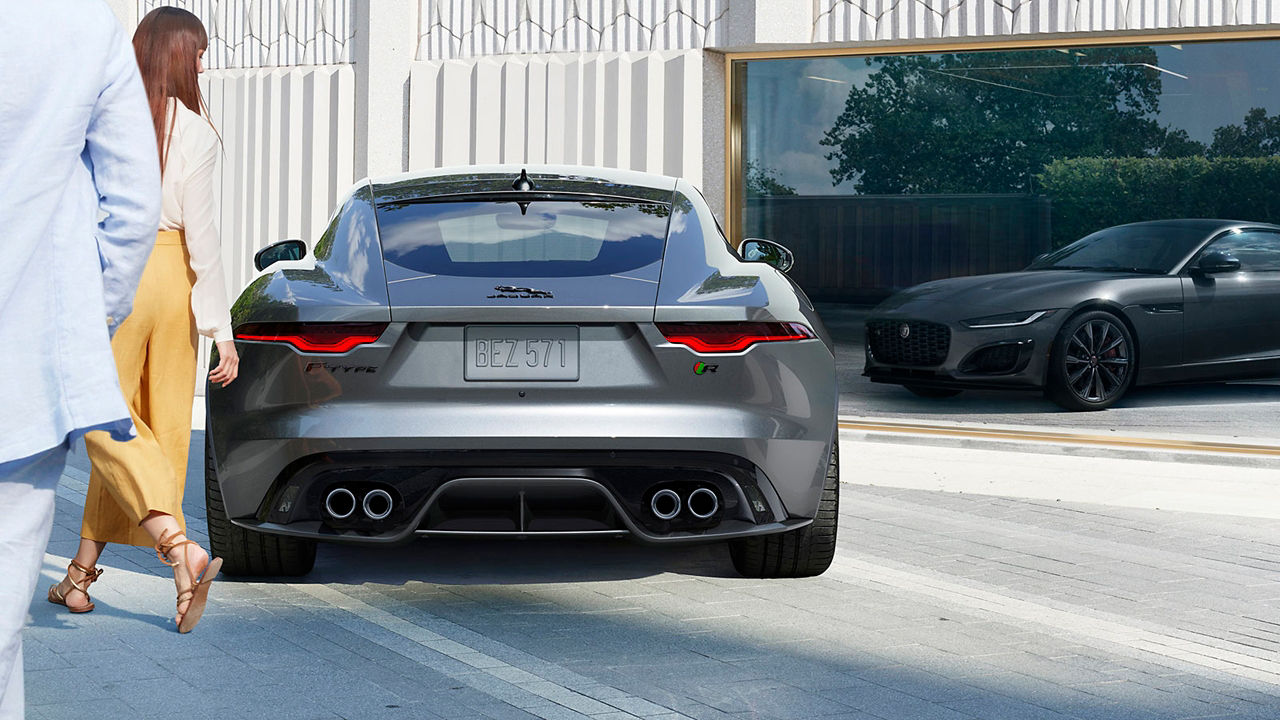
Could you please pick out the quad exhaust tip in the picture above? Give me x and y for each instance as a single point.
(340, 503)
(703, 503)
(377, 504)
(665, 504)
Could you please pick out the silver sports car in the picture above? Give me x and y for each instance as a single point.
(525, 351)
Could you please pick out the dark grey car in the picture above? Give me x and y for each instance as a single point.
(525, 351)
(1145, 303)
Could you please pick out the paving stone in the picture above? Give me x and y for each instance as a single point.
(82, 709)
(889, 703)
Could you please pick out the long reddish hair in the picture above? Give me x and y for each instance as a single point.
(168, 42)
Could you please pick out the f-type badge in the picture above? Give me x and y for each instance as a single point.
(904, 331)
(510, 291)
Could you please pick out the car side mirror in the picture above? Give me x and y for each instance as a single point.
(1217, 262)
(279, 252)
(767, 251)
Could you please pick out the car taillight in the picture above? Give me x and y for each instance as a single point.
(314, 337)
(732, 337)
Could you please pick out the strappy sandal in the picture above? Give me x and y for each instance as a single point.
(57, 597)
(197, 594)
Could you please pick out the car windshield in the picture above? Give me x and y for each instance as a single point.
(1128, 248)
(542, 238)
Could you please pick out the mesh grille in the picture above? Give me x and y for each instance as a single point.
(926, 343)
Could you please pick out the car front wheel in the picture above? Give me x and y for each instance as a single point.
(1092, 363)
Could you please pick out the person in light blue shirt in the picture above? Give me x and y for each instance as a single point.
(79, 208)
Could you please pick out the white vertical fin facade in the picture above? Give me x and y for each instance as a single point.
(910, 20)
(636, 111)
(450, 29)
(270, 33)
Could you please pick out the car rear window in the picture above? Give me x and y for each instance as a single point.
(542, 238)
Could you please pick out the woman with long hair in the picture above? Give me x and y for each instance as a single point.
(136, 487)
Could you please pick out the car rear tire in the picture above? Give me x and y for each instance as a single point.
(1092, 363)
(798, 553)
(926, 391)
(245, 552)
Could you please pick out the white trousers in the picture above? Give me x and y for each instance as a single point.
(27, 489)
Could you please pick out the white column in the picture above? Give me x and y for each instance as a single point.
(386, 38)
(714, 152)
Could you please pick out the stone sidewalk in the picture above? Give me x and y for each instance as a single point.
(941, 605)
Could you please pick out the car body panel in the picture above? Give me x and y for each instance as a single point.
(1232, 318)
(338, 282)
(706, 280)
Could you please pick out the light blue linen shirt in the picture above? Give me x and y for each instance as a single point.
(79, 209)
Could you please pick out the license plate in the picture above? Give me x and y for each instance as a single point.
(521, 352)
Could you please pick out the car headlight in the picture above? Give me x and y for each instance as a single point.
(1013, 319)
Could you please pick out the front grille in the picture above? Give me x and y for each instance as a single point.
(926, 343)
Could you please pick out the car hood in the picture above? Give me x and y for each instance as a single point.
(961, 297)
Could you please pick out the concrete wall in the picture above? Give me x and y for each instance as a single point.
(843, 21)
(257, 34)
(457, 29)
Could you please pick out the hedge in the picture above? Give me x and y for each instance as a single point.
(1089, 194)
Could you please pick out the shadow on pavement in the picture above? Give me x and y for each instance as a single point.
(472, 561)
(45, 614)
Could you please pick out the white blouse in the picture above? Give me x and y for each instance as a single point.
(187, 190)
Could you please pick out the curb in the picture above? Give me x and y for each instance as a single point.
(1254, 454)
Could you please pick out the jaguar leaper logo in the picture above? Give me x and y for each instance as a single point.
(511, 291)
(701, 368)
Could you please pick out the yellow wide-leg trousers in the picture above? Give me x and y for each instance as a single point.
(155, 351)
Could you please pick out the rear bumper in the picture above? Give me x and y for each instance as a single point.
(513, 493)
(768, 477)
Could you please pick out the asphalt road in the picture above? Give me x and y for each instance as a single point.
(1221, 410)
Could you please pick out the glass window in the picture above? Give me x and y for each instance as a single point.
(543, 238)
(885, 171)
(1256, 251)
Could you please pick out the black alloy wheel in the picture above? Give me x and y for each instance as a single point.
(1093, 362)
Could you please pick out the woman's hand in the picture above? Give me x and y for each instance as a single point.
(228, 364)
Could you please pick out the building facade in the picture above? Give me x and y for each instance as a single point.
(887, 141)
